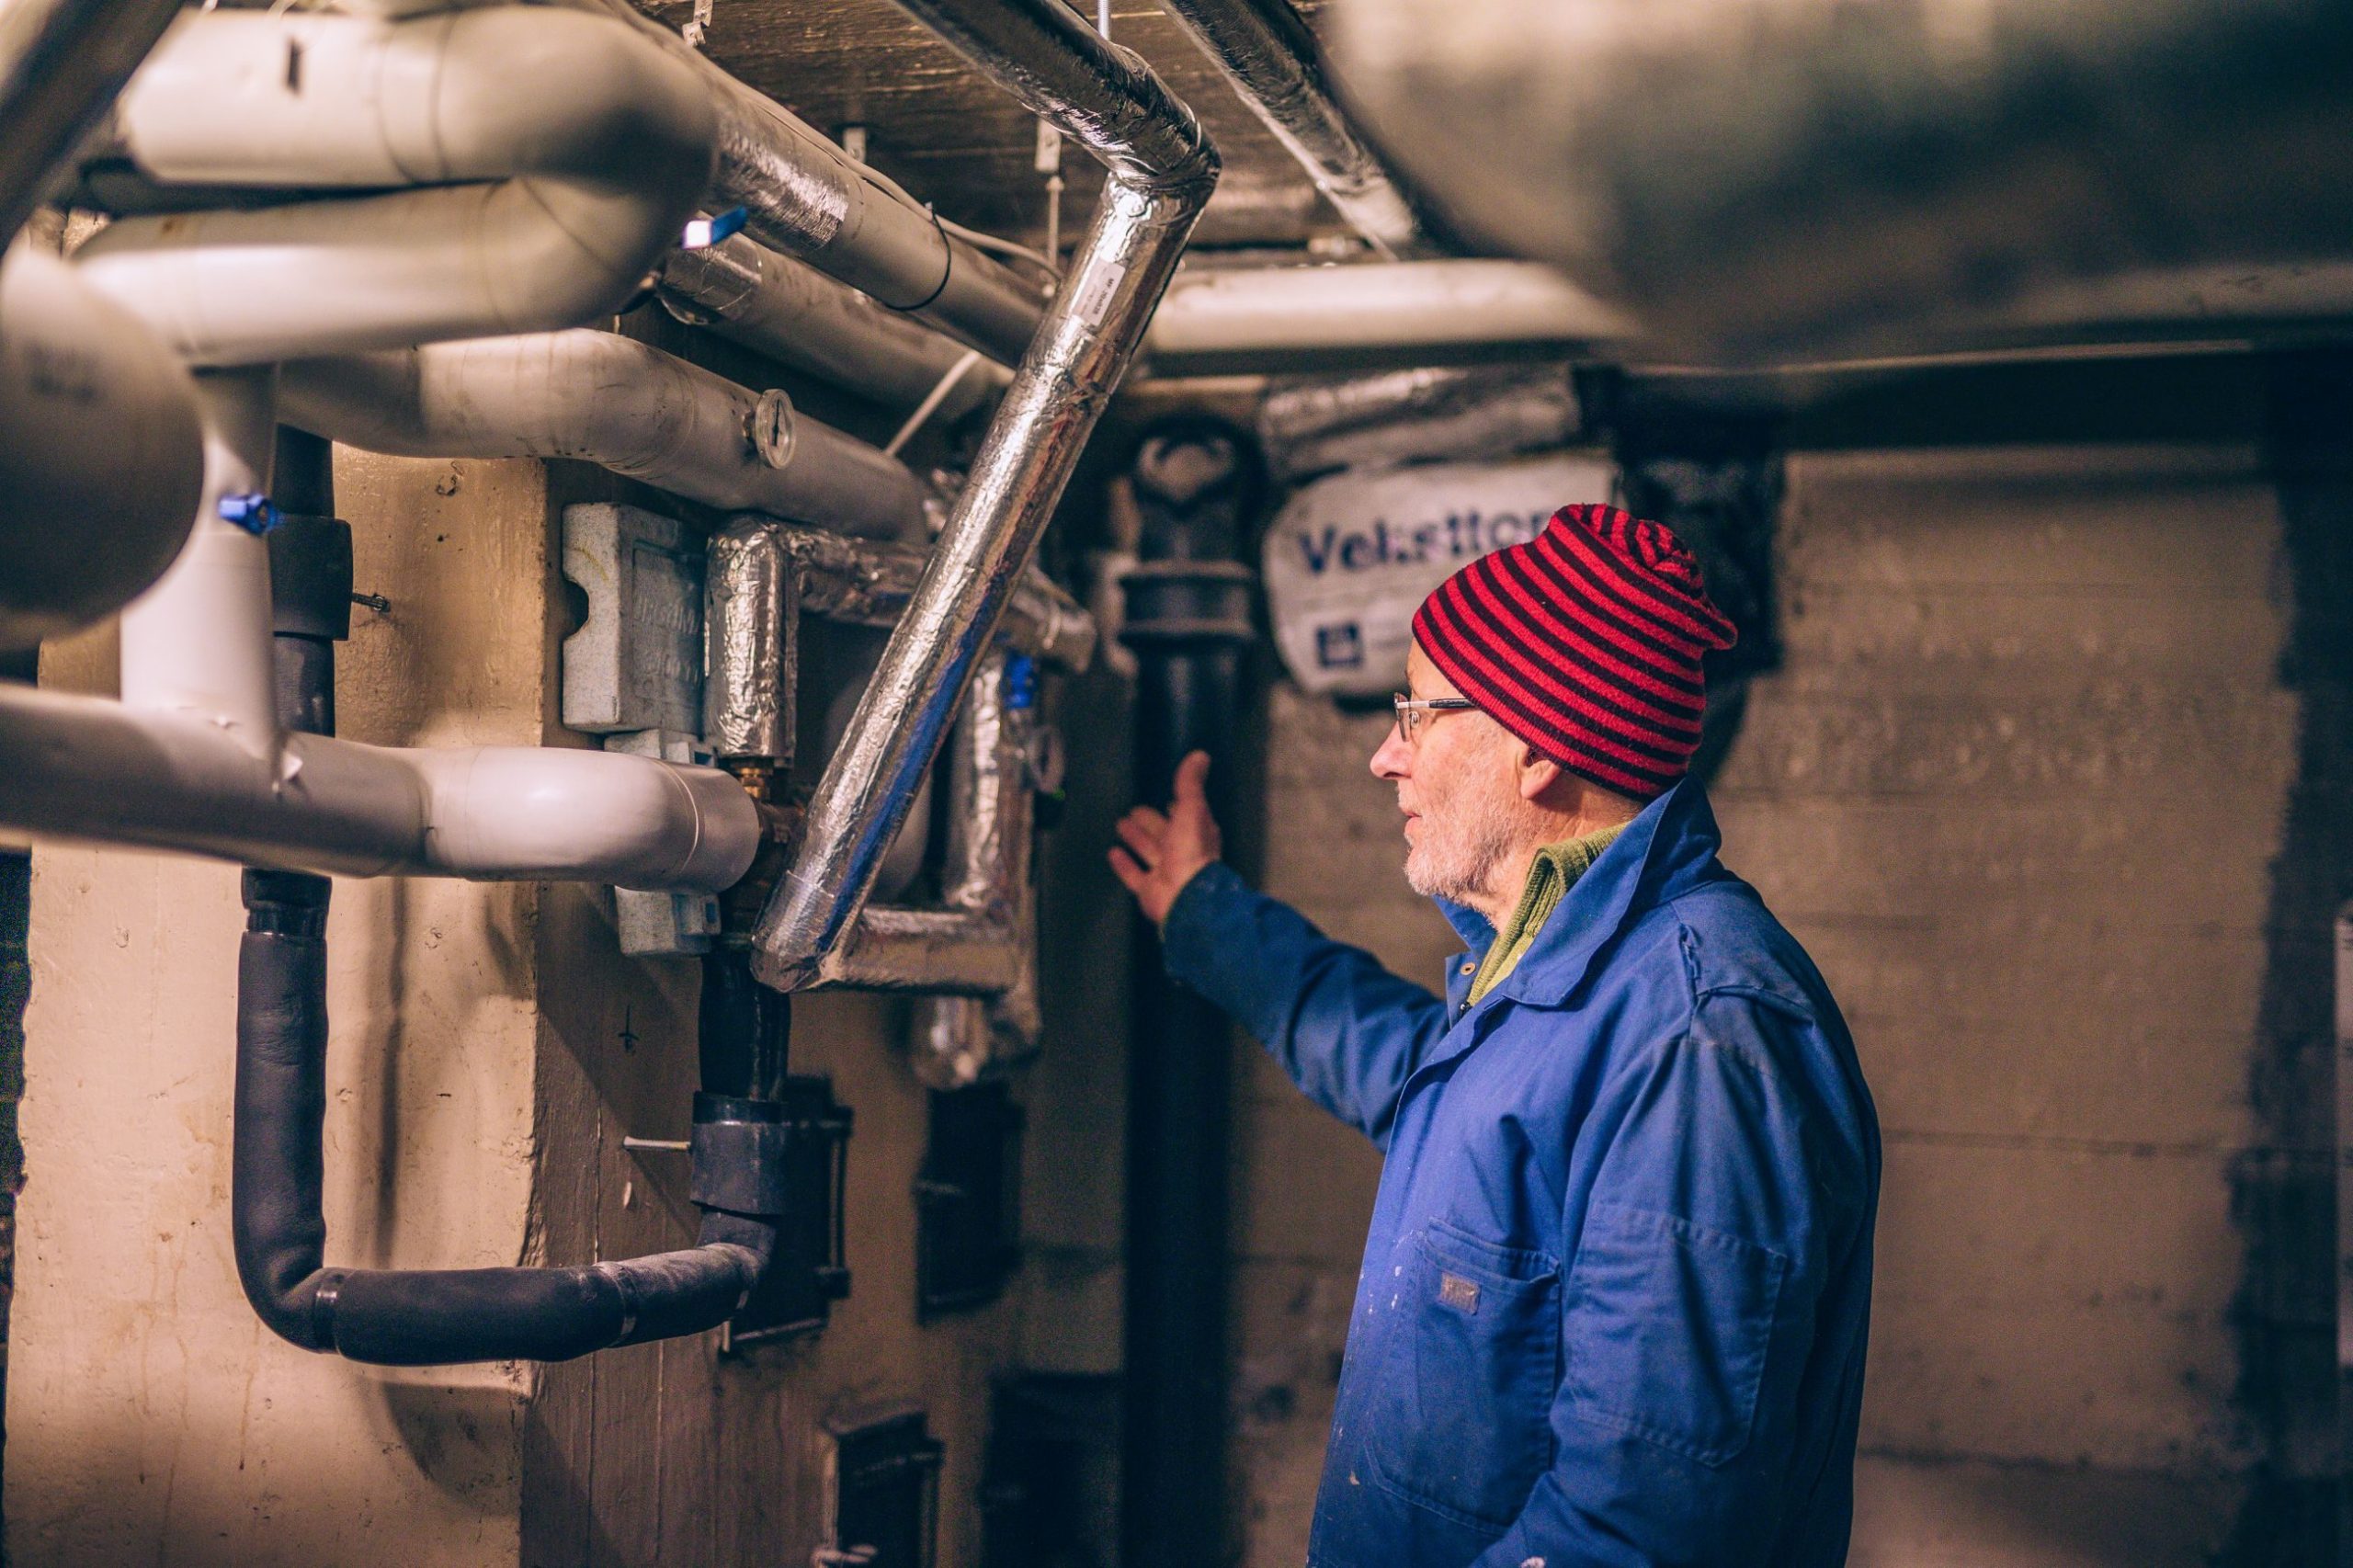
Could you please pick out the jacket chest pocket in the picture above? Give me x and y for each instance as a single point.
(1457, 1419)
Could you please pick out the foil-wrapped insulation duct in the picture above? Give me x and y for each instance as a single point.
(1275, 65)
(1162, 169)
(761, 575)
(955, 1041)
(1313, 425)
(798, 316)
(805, 197)
(61, 62)
(751, 646)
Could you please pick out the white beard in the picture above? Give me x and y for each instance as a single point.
(1455, 855)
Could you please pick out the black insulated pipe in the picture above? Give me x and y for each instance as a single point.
(437, 1317)
(404, 1317)
(1189, 620)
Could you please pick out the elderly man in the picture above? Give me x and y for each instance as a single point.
(1613, 1304)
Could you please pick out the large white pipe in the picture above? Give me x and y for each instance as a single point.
(615, 401)
(82, 768)
(563, 152)
(101, 448)
(1262, 319)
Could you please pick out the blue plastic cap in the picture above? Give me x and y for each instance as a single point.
(250, 510)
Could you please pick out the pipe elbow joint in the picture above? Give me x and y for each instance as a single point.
(627, 115)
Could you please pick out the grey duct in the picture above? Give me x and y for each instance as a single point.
(61, 62)
(1804, 176)
(796, 316)
(1274, 62)
(555, 156)
(100, 442)
(1163, 168)
(614, 402)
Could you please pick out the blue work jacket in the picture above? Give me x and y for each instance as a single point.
(1613, 1304)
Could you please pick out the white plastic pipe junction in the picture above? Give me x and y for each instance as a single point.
(192, 758)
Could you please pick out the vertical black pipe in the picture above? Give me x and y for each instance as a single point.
(1188, 620)
(310, 582)
(745, 1034)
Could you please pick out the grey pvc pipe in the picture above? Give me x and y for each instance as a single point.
(797, 315)
(1162, 169)
(1227, 321)
(611, 401)
(61, 62)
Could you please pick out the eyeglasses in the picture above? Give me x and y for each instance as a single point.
(1415, 713)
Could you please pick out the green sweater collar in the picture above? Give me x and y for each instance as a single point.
(1556, 869)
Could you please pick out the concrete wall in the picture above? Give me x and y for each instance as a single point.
(151, 1417)
(490, 1051)
(2019, 788)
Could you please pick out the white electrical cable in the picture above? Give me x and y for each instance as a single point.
(979, 241)
(932, 400)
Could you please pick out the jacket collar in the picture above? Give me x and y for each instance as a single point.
(1666, 851)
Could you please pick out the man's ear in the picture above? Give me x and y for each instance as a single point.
(1538, 774)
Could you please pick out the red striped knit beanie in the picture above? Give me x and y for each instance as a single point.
(1585, 643)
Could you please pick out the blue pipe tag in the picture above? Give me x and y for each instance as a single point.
(1020, 681)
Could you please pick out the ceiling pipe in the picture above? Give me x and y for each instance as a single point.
(1803, 178)
(804, 196)
(1163, 168)
(101, 446)
(1283, 318)
(193, 757)
(1272, 61)
(62, 63)
(559, 157)
(798, 316)
(614, 402)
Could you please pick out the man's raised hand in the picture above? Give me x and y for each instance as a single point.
(1159, 852)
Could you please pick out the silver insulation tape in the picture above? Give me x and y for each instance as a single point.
(751, 645)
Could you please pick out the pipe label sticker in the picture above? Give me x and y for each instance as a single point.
(1093, 301)
(1352, 556)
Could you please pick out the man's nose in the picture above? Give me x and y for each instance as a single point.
(1392, 759)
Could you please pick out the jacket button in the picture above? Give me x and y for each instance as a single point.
(1473, 969)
